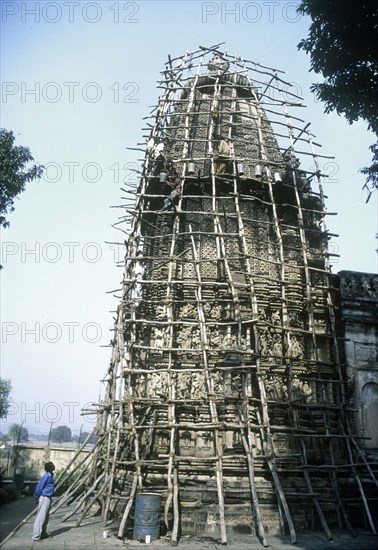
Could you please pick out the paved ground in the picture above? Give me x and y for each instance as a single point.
(13, 513)
(90, 536)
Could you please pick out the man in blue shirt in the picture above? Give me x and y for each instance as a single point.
(43, 493)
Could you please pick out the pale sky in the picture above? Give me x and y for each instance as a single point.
(77, 80)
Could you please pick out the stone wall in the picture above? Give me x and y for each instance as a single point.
(29, 461)
(359, 321)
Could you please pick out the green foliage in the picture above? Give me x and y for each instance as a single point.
(7, 492)
(371, 171)
(24, 435)
(83, 436)
(68, 481)
(16, 172)
(5, 389)
(18, 433)
(342, 47)
(61, 434)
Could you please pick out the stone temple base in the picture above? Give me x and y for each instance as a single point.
(238, 517)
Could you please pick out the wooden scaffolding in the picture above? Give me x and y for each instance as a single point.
(226, 388)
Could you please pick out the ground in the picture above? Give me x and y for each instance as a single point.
(90, 536)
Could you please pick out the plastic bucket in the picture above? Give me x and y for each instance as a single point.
(147, 516)
(191, 168)
(240, 168)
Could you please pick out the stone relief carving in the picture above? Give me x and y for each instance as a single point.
(232, 385)
(265, 342)
(216, 312)
(141, 385)
(218, 382)
(186, 442)
(296, 349)
(276, 351)
(197, 390)
(159, 337)
(300, 390)
(204, 443)
(275, 389)
(276, 318)
(162, 442)
(362, 285)
(188, 312)
(160, 313)
(294, 320)
(196, 338)
(262, 314)
(184, 338)
(215, 338)
(158, 385)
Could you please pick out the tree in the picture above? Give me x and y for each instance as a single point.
(15, 172)
(18, 434)
(61, 434)
(83, 436)
(5, 390)
(342, 47)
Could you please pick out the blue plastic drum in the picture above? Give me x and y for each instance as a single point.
(147, 516)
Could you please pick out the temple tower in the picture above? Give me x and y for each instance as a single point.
(226, 393)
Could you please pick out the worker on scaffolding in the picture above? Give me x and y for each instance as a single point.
(159, 164)
(223, 159)
(140, 273)
(174, 182)
(156, 157)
